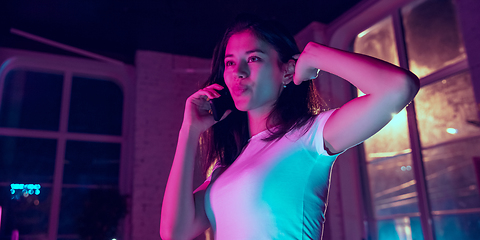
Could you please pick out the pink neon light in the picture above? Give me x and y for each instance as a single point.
(15, 234)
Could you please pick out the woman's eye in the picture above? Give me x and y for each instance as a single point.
(228, 63)
(253, 59)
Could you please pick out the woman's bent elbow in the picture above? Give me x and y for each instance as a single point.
(407, 88)
(413, 85)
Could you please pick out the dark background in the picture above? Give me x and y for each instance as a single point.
(116, 28)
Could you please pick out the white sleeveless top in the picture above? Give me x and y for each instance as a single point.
(273, 190)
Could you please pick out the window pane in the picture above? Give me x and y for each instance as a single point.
(450, 137)
(27, 160)
(432, 37)
(446, 111)
(389, 166)
(391, 141)
(31, 100)
(400, 228)
(451, 177)
(461, 226)
(29, 214)
(378, 41)
(392, 186)
(90, 213)
(91, 163)
(96, 106)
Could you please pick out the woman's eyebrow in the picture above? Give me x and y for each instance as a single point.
(248, 52)
(255, 50)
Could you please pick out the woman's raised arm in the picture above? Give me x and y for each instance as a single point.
(388, 90)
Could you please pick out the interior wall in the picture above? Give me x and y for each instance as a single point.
(164, 81)
(469, 19)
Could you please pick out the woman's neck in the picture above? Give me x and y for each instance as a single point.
(257, 122)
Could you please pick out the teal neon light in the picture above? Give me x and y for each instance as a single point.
(26, 189)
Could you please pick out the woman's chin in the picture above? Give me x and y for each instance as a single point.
(243, 107)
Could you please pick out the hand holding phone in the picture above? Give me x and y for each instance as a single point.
(221, 104)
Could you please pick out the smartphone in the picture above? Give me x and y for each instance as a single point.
(221, 104)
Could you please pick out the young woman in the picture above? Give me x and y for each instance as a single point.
(274, 151)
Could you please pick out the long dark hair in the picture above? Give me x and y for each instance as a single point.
(296, 106)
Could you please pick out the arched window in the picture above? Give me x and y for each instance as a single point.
(63, 144)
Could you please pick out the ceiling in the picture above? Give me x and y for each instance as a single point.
(116, 28)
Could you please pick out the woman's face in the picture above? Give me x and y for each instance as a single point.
(253, 72)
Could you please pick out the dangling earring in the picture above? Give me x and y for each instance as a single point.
(284, 85)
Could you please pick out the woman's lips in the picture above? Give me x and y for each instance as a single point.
(239, 90)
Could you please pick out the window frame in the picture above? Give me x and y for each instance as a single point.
(121, 74)
(342, 35)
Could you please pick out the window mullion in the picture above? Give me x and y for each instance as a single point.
(444, 72)
(67, 87)
(60, 157)
(417, 158)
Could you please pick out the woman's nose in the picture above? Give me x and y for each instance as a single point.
(242, 70)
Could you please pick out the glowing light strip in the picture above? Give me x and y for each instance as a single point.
(24, 186)
(28, 189)
(365, 32)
